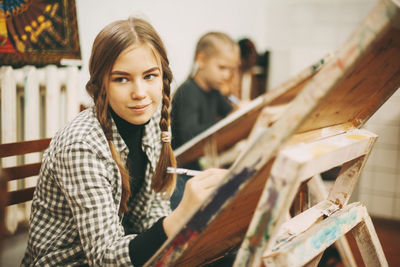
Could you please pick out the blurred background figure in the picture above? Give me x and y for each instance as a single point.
(199, 103)
(252, 77)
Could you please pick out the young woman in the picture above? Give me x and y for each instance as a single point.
(101, 198)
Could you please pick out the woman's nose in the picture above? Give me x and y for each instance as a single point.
(138, 90)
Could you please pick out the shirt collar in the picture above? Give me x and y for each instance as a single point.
(151, 141)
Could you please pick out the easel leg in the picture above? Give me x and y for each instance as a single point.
(347, 180)
(368, 243)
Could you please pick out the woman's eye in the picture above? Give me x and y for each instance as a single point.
(150, 76)
(121, 80)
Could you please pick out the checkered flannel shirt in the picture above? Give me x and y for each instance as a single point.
(74, 218)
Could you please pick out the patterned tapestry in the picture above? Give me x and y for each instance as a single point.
(38, 32)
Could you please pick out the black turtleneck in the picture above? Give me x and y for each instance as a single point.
(144, 245)
(132, 135)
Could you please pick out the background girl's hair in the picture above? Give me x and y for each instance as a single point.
(107, 46)
(209, 45)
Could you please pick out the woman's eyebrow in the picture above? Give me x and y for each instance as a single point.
(119, 72)
(151, 70)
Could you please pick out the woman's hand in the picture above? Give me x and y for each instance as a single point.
(197, 189)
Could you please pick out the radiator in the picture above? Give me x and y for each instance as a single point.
(35, 103)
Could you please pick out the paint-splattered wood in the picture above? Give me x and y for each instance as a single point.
(304, 247)
(368, 243)
(292, 166)
(382, 38)
(238, 125)
(300, 223)
(320, 193)
(229, 228)
(345, 182)
(308, 159)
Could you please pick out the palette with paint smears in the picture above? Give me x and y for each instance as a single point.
(337, 100)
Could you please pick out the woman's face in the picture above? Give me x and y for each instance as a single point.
(135, 84)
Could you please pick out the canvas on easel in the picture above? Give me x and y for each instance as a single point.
(341, 97)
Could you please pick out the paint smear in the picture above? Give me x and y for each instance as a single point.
(320, 149)
(333, 231)
(357, 137)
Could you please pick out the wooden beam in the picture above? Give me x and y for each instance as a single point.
(24, 147)
(368, 243)
(23, 171)
(20, 196)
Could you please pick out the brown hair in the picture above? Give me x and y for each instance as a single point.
(107, 46)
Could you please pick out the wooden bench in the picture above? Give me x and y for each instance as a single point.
(21, 171)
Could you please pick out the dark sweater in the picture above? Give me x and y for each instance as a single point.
(194, 110)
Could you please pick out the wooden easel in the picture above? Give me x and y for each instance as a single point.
(339, 99)
(301, 199)
(322, 224)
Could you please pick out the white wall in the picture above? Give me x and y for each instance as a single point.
(179, 22)
(300, 32)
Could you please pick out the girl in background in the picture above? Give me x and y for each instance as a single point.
(199, 102)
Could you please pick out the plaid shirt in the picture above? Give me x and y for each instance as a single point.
(74, 218)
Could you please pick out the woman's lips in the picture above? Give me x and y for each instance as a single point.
(139, 108)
